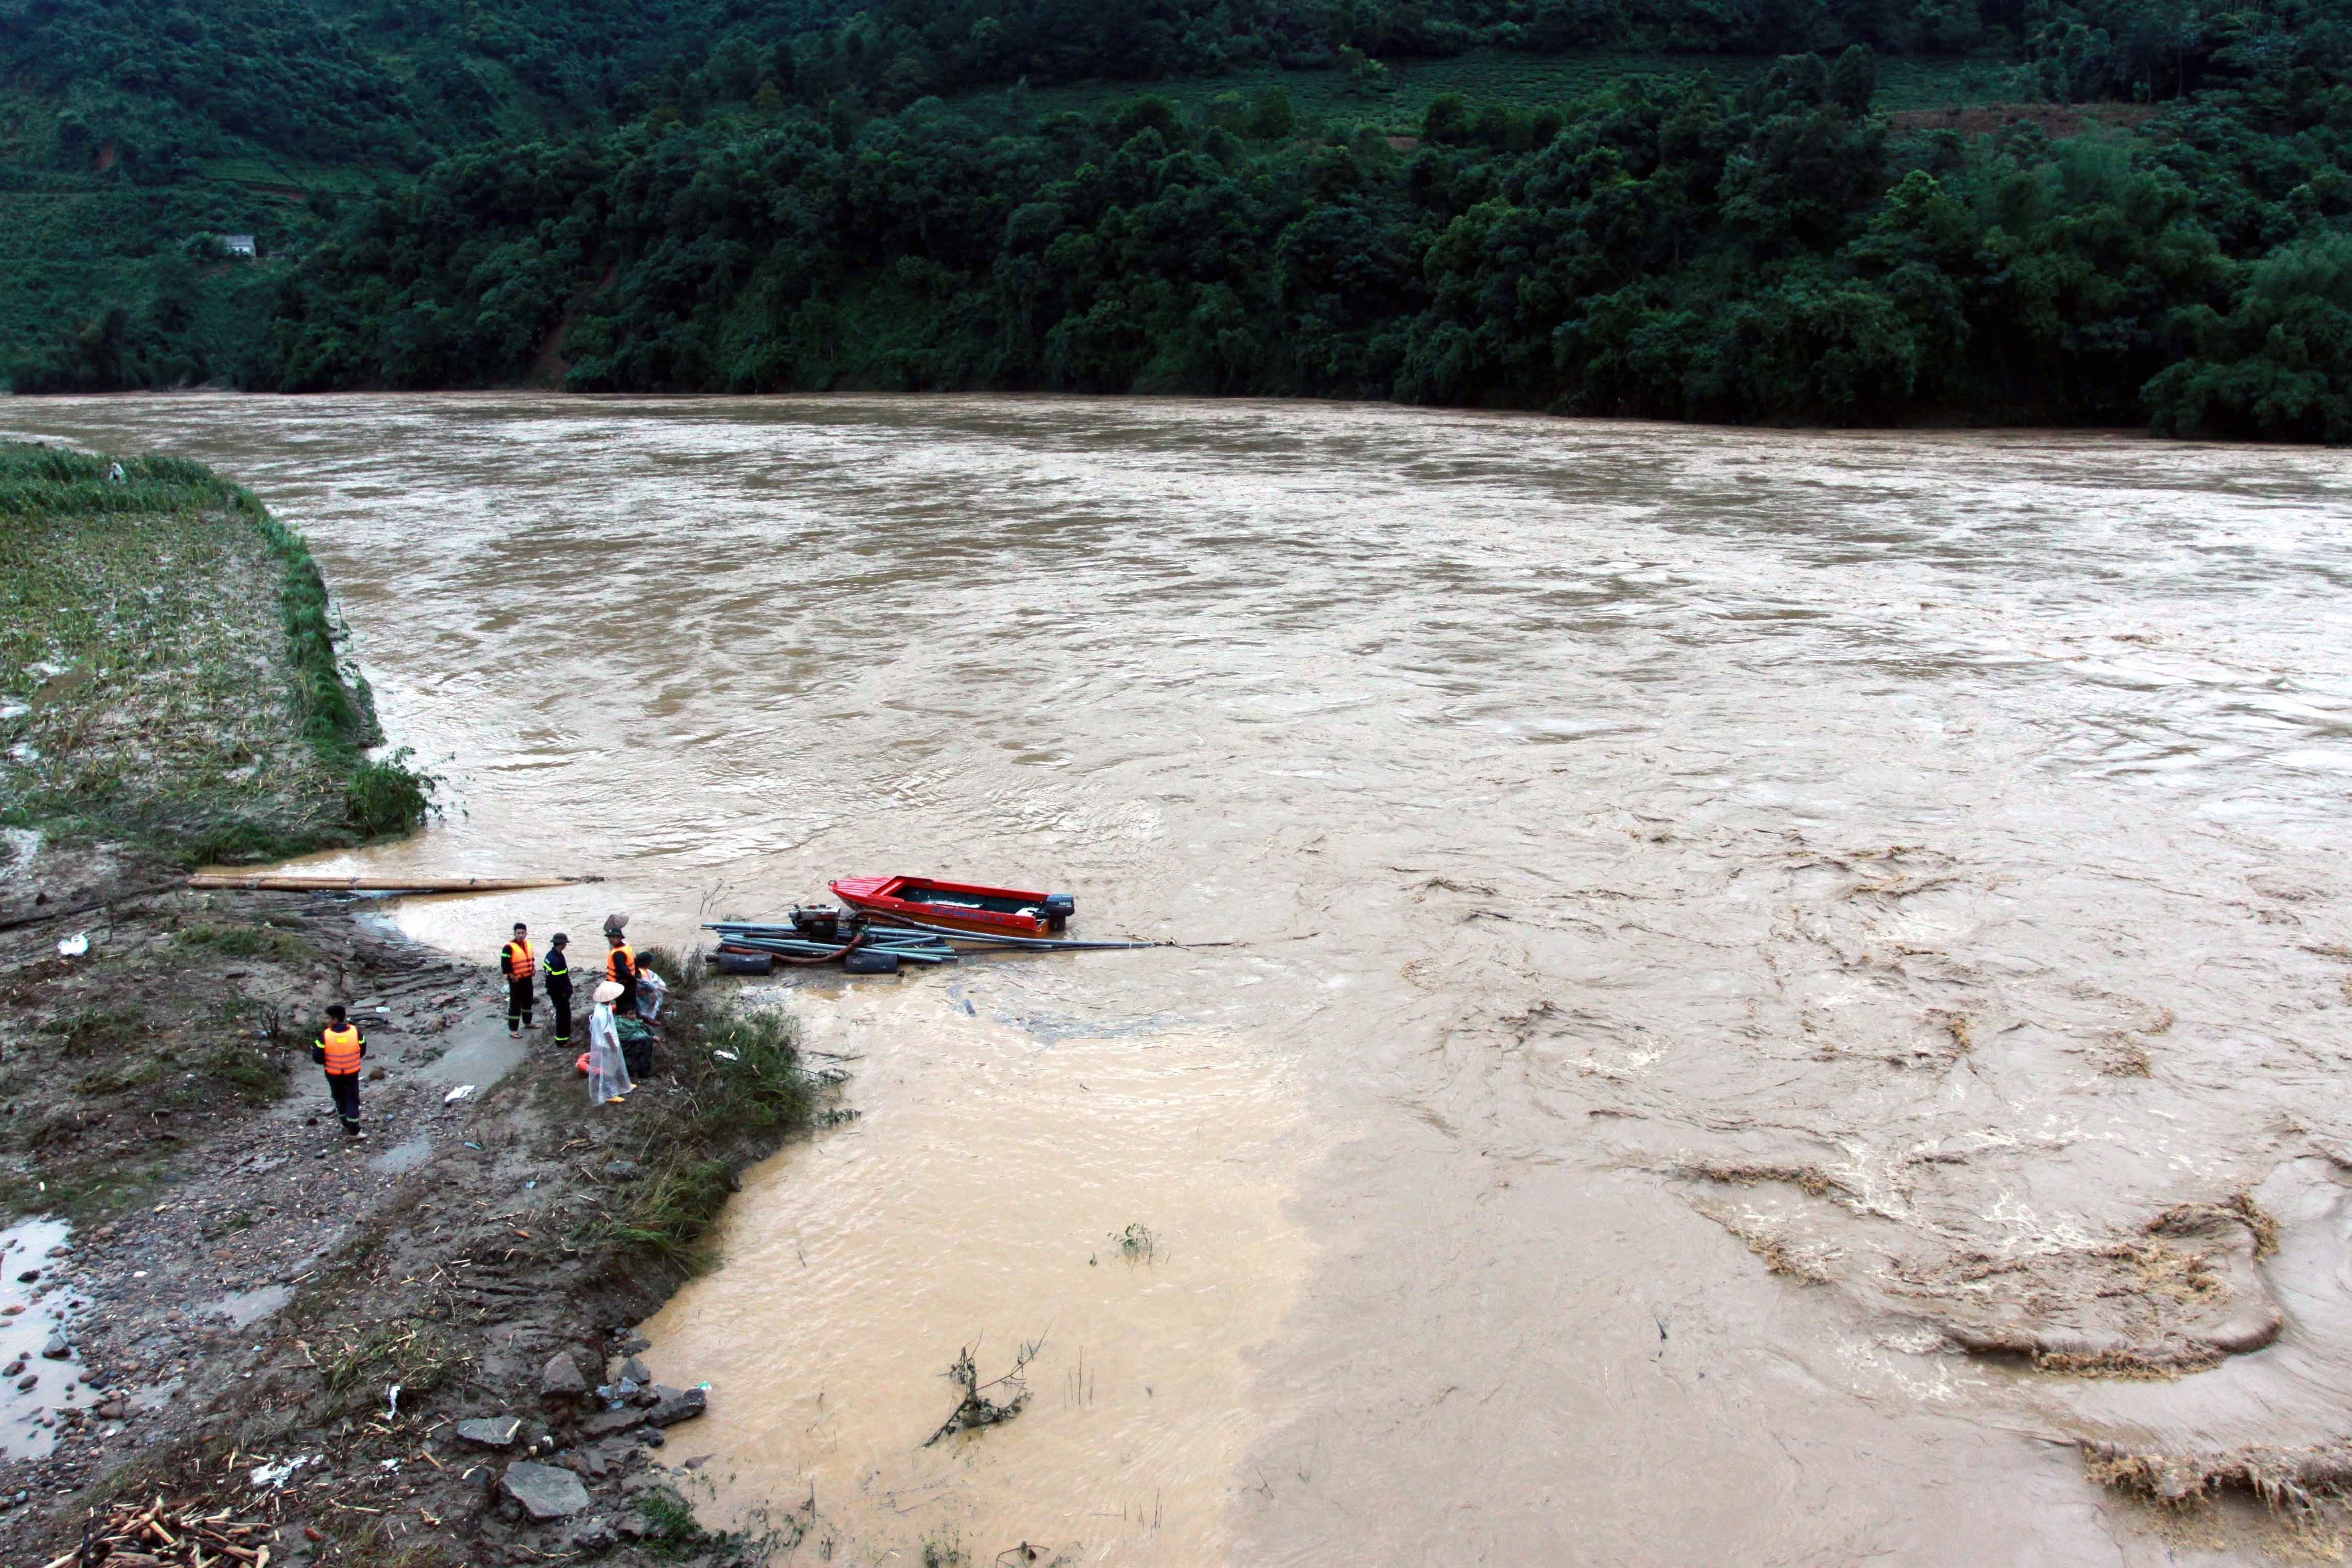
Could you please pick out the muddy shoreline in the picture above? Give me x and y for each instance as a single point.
(254, 1306)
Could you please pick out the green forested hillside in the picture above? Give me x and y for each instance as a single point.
(1802, 210)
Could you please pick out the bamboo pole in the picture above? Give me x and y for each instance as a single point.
(289, 882)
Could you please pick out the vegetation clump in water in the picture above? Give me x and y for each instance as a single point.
(986, 1404)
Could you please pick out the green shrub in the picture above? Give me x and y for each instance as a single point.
(387, 796)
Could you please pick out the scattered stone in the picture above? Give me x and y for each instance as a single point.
(652, 1437)
(544, 1491)
(629, 1343)
(29, 1275)
(489, 1431)
(593, 1535)
(26, 1383)
(12, 1368)
(677, 1404)
(57, 1348)
(636, 1372)
(606, 1423)
(562, 1379)
(624, 1169)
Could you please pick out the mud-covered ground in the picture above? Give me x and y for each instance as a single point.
(245, 1286)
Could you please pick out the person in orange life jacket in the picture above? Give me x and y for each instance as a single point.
(620, 969)
(340, 1048)
(558, 970)
(516, 963)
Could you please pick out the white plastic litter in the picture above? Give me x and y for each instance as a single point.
(273, 1475)
(463, 1091)
(75, 945)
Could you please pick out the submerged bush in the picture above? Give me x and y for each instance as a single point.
(387, 796)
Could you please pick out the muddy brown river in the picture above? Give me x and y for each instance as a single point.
(1787, 980)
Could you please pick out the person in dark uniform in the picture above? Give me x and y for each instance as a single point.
(340, 1048)
(620, 969)
(558, 970)
(516, 963)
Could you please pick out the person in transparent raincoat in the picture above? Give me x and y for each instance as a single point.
(608, 1072)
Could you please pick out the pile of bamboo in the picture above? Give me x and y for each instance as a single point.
(133, 1535)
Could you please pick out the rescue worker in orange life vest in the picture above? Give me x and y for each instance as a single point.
(340, 1048)
(517, 964)
(620, 969)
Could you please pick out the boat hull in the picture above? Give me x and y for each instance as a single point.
(951, 905)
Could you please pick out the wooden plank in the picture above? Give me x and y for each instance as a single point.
(295, 882)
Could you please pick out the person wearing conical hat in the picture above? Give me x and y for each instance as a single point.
(608, 1070)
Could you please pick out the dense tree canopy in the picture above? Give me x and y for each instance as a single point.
(785, 203)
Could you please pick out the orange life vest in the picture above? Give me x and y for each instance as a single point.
(621, 965)
(342, 1047)
(516, 956)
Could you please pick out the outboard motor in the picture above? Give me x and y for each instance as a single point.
(1059, 907)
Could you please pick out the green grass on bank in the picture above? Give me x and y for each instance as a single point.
(733, 1086)
(168, 670)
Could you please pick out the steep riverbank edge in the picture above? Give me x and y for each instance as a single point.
(171, 674)
(258, 1302)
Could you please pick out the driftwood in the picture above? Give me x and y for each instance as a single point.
(292, 882)
(43, 916)
(172, 1535)
(976, 1409)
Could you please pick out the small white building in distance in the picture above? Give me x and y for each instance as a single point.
(238, 243)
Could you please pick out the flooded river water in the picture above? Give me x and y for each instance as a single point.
(1730, 917)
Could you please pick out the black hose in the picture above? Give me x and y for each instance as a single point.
(833, 957)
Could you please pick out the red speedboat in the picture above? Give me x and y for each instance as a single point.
(955, 906)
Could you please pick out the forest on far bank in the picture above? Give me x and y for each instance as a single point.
(2121, 212)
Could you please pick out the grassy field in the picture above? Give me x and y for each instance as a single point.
(167, 672)
(1494, 76)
